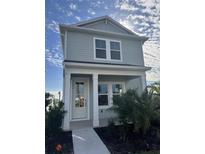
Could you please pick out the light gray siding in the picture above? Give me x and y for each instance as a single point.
(101, 25)
(130, 83)
(80, 48)
(134, 83)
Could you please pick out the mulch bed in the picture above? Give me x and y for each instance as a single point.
(134, 143)
(62, 138)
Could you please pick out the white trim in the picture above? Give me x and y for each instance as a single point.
(73, 120)
(89, 66)
(117, 50)
(83, 79)
(92, 23)
(94, 47)
(66, 120)
(106, 72)
(65, 45)
(89, 21)
(95, 100)
(110, 93)
(90, 30)
(108, 50)
(143, 81)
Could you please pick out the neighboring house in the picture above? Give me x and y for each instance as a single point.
(102, 59)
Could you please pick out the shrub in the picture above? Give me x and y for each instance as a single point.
(53, 118)
(110, 130)
(140, 110)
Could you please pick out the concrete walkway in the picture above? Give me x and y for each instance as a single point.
(86, 141)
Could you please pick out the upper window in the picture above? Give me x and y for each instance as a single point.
(107, 49)
(100, 47)
(115, 50)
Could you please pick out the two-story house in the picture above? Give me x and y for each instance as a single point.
(102, 59)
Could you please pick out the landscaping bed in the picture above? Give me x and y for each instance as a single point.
(64, 142)
(135, 143)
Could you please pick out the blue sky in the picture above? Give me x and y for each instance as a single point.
(141, 16)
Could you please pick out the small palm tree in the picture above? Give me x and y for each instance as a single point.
(147, 110)
(140, 110)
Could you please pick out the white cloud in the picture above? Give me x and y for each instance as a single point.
(54, 55)
(105, 7)
(96, 3)
(147, 3)
(127, 24)
(69, 13)
(63, 9)
(73, 6)
(152, 59)
(90, 11)
(78, 18)
(53, 26)
(124, 5)
(144, 21)
(153, 76)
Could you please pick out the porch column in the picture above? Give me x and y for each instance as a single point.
(143, 80)
(66, 120)
(95, 101)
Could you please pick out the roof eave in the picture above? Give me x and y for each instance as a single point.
(74, 28)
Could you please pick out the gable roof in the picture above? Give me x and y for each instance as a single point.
(87, 22)
(80, 27)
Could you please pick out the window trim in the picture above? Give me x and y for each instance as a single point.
(108, 50)
(101, 48)
(110, 93)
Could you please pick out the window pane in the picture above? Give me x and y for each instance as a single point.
(100, 43)
(79, 88)
(117, 88)
(115, 96)
(102, 89)
(103, 100)
(115, 45)
(100, 53)
(115, 55)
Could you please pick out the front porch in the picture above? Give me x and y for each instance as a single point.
(85, 103)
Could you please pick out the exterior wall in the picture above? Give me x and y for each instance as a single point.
(80, 48)
(130, 83)
(134, 83)
(101, 25)
(104, 114)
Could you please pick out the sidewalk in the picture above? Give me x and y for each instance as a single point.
(86, 141)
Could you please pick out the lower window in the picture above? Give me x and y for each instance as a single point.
(103, 95)
(103, 100)
(106, 91)
(117, 90)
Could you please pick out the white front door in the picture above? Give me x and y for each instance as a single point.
(80, 99)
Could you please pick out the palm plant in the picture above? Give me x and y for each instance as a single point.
(140, 110)
(147, 110)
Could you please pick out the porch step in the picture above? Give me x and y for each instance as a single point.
(86, 141)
